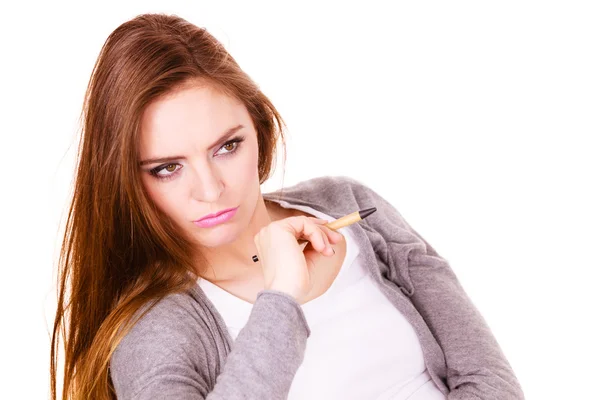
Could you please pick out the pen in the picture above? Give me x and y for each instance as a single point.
(339, 223)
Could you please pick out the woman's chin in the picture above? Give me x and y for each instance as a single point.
(217, 236)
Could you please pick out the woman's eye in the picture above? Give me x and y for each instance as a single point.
(170, 168)
(231, 146)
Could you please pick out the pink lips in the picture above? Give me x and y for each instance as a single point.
(216, 219)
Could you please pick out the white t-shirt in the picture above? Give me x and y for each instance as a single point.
(360, 346)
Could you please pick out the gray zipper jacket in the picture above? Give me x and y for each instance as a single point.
(181, 348)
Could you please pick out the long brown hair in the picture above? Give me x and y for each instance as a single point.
(119, 251)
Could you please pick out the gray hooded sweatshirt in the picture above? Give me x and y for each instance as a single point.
(181, 348)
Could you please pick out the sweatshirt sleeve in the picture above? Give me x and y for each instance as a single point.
(476, 366)
(165, 355)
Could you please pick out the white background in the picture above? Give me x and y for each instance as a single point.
(478, 120)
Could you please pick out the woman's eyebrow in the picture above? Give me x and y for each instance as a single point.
(230, 132)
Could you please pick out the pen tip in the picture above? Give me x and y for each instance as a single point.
(366, 212)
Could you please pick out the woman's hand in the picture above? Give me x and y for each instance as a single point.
(285, 266)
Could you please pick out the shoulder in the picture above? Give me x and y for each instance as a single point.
(340, 195)
(340, 191)
(330, 183)
(169, 332)
(344, 194)
(167, 322)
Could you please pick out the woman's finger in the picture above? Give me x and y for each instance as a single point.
(306, 228)
(332, 235)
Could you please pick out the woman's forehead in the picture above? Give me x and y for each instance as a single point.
(195, 116)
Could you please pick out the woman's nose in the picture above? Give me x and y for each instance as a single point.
(207, 185)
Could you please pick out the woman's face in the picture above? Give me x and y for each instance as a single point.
(199, 156)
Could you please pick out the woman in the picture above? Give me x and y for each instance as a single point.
(161, 299)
